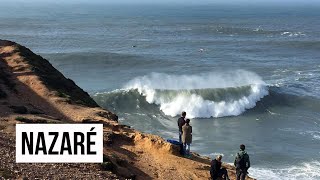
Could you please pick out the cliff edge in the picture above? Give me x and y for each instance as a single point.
(33, 91)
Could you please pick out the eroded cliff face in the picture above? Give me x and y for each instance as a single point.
(33, 91)
(22, 60)
(29, 81)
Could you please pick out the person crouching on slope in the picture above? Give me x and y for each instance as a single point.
(216, 171)
(242, 163)
(187, 137)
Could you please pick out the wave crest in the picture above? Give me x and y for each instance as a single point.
(205, 95)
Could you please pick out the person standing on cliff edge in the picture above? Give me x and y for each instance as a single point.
(181, 122)
(242, 163)
(186, 138)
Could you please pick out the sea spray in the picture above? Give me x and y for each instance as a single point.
(177, 93)
(304, 170)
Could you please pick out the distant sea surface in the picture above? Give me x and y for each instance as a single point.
(243, 74)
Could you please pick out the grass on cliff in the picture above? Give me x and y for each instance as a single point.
(63, 95)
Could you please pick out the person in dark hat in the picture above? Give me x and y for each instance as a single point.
(181, 122)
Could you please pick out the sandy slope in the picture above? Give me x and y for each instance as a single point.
(32, 91)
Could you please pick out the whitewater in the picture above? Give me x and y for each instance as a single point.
(177, 93)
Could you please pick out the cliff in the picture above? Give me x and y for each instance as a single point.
(33, 91)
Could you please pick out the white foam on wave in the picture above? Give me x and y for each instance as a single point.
(292, 34)
(315, 135)
(194, 104)
(259, 29)
(305, 171)
(214, 154)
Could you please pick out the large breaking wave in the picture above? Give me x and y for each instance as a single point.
(205, 95)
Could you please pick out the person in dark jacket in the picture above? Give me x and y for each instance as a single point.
(181, 122)
(242, 163)
(216, 171)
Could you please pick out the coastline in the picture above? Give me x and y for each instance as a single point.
(31, 94)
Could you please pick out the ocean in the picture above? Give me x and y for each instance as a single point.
(244, 74)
